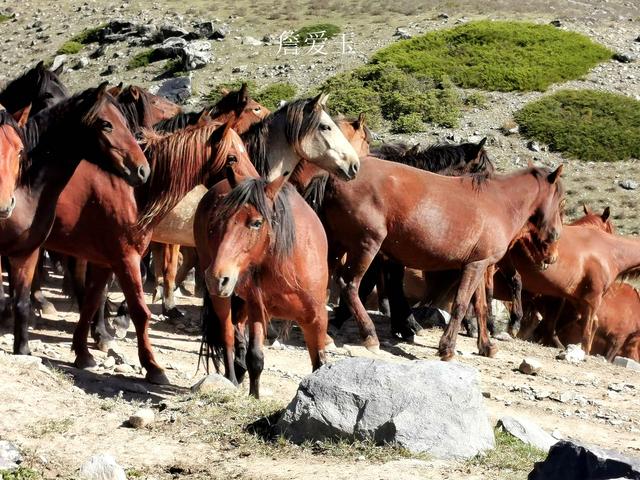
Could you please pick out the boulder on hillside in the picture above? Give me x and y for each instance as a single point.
(423, 406)
(527, 432)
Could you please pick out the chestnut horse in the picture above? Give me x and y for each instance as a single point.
(104, 221)
(88, 125)
(260, 241)
(592, 259)
(407, 214)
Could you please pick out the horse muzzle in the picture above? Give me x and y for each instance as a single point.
(7, 210)
(221, 284)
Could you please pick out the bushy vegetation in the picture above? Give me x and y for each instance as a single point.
(271, 95)
(383, 91)
(21, 473)
(4, 18)
(511, 459)
(88, 35)
(497, 55)
(141, 59)
(69, 48)
(585, 124)
(268, 96)
(329, 31)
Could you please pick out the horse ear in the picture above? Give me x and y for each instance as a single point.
(530, 164)
(605, 214)
(271, 189)
(243, 93)
(40, 65)
(362, 119)
(21, 116)
(224, 91)
(481, 143)
(320, 100)
(555, 175)
(58, 71)
(135, 92)
(413, 150)
(585, 209)
(117, 90)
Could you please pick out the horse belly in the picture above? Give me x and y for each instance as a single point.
(177, 226)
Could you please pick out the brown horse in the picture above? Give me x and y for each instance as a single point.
(591, 260)
(104, 221)
(88, 125)
(263, 243)
(618, 330)
(407, 214)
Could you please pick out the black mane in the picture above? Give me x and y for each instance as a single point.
(38, 86)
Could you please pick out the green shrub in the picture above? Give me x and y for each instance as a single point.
(585, 124)
(410, 123)
(330, 30)
(88, 35)
(21, 473)
(4, 18)
(497, 55)
(271, 95)
(383, 91)
(141, 59)
(475, 99)
(216, 94)
(70, 47)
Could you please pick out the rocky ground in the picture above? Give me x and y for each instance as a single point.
(59, 416)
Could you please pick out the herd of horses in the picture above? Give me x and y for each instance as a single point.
(274, 207)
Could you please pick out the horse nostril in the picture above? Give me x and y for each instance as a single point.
(224, 281)
(143, 173)
(353, 169)
(13, 203)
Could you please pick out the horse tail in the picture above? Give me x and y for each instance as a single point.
(212, 343)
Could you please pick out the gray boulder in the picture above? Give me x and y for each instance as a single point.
(10, 456)
(626, 363)
(574, 461)
(196, 54)
(528, 432)
(423, 406)
(102, 467)
(176, 89)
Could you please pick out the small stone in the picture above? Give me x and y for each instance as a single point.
(542, 394)
(27, 361)
(213, 383)
(99, 52)
(109, 362)
(254, 42)
(142, 418)
(530, 366)
(533, 146)
(10, 456)
(58, 61)
(556, 23)
(81, 63)
(402, 33)
(119, 358)
(616, 387)
(626, 57)
(503, 337)
(239, 69)
(527, 431)
(627, 363)
(629, 184)
(125, 368)
(562, 397)
(102, 467)
(110, 70)
(443, 16)
(573, 354)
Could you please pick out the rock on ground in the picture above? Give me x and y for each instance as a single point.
(423, 406)
(142, 418)
(573, 461)
(573, 354)
(10, 456)
(102, 467)
(528, 432)
(213, 383)
(627, 363)
(178, 89)
(530, 366)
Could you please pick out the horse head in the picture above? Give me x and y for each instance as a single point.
(600, 221)
(11, 155)
(357, 133)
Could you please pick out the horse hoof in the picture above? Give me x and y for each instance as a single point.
(157, 377)
(372, 344)
(47, 308)
(446, 354)
(489, 351)
(173, 313)
(22, 350)
(84, 361)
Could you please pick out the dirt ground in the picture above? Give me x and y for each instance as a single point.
(61, 415)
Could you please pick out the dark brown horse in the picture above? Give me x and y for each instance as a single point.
(407, 215)
(38, 87)
(263, 243)
(89, 125)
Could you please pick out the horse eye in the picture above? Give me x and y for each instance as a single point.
(231, 159)
(257, 109)
(325, 127)
(256, 224)
(106, 126)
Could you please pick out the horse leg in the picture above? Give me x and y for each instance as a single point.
(95, 283)
(222, 309)
(315, 333)
(613, 348)
(472, 275)
(5, 303)
(255, 355)
(485, 347)
(403, 324)
(37, 297)
(368, 282)
(382, 290)
(170, 268)
(130, 279)
(514, 282)
(352, 273)
(488, 286)
(21, 275)
(239, 315)
(99, 331)
(189, 261)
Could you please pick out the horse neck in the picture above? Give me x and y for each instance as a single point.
(520, 194)
(279, 155)
(624, 252)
